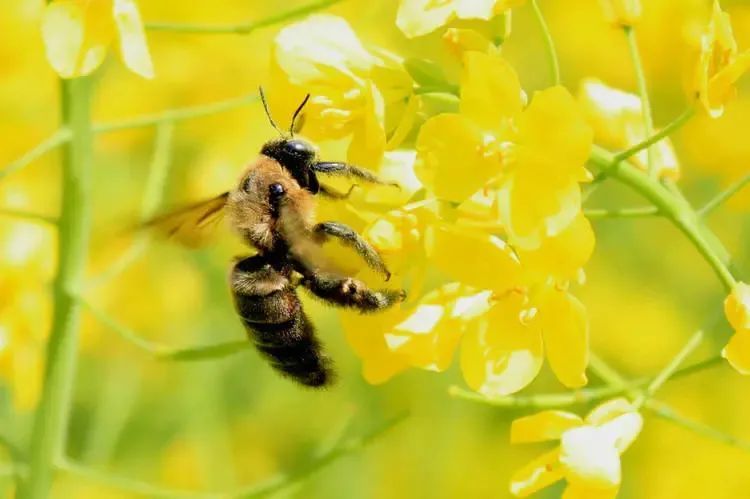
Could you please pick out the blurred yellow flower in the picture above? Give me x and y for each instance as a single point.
(356, 92)
(419, 17)
(622, 12)
(737, 311)
(617, 119)
(589, 454)
(719, 64)
(77, 34)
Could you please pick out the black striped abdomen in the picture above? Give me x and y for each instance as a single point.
(281, 331)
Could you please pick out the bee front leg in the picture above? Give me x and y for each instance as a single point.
(349, 292)
(335, 229)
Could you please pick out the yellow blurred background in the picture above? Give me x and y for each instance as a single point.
(227, 423)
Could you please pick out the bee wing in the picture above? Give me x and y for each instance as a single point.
(194, 225)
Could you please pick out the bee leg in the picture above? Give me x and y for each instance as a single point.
(347, 170)
(330, 193)
(335, 229)
(349, 292)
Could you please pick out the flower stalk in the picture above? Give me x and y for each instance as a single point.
(51, 419)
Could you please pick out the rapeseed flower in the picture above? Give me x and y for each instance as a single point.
(357, 92)
(737, 312)
(419, 17)
(719, 64)
(588, 457)
(78, 33)
(617, 119)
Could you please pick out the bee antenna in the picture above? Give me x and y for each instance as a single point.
(297, 112)
(268, 111)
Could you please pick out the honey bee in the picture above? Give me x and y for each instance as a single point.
(272, 209)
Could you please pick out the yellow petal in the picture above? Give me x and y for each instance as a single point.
(545, 425)
(492, 264)
(427, 336)
(368, 136)
(419, 17)
(565, 330)
(561, 256)
(459, 41)
(501, 354)
(365, 334)
(76, 35)
(541, 472)
(451, 160)
(737, 307)
(133, 46)
(622, 12)
(589, 458)
(609, 410)
(581, 492)
(555, 124)
(536, 203)
(623, 430)
(737, 351)
(490, 90)
(322, 47)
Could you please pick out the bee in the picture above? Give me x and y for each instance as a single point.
(272, 209)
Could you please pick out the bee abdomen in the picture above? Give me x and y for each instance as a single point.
(292, 349)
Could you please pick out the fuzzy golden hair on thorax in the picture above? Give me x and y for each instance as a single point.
(252, 215)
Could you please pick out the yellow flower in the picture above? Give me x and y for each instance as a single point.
(719, 64)
(737, 311)
(534, 156)
(589, 454)
(617, 120)
(77, 34)
(622, 12)
(358, 93)
(419, 17)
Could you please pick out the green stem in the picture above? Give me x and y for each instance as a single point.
(583, 396)
(670, 369)
(179, 114)
(668, 130)
(724, 196)
(667, 413)
(58, 138)
(669, 204)
(51, 419)
(548, 42)
(243, 28)
(648, 121)
(29, 216)
(152, 196)
(640, 211)
(162, 352)
(264, 489)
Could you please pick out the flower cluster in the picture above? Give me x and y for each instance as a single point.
(496, 212)
(361, 93)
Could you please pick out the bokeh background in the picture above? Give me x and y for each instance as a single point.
(222, 424)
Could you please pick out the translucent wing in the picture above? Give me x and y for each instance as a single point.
(194, 225)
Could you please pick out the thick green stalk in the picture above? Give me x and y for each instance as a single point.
(669, 204)
(51, 420)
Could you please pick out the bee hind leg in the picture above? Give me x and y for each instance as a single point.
(351, 293)
(324, 230)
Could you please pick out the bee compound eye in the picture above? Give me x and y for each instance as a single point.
(246, 185)
(276, 190)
